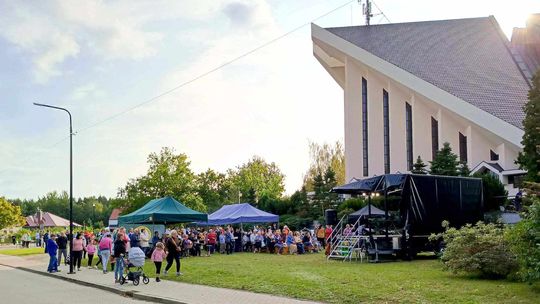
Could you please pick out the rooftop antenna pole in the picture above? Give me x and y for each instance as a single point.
(366, 10)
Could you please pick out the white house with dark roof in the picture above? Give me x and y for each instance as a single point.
(410, 87)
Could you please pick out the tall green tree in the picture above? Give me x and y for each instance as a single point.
(529, 159)
(324, 156)
(168, 174)
(493, 191)
(10, 214)
(464, 169)
(323, 198)
(445, 162)
(213, 189)
(254, 180)
(419, 167)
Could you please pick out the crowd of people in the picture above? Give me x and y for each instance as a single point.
(111, 247)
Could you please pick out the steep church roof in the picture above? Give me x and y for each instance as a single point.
(468, 58)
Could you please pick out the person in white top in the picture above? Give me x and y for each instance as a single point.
(144, 241)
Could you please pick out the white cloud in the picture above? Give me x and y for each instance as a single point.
(28, 29)
(51, 32)
(87, 91)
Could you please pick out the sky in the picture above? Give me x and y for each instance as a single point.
(107, 61)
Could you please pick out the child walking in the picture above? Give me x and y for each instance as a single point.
(157, 257)
(91, 250)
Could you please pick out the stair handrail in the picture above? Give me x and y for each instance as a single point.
(334, 236)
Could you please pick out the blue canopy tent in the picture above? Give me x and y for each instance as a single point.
(238, 214)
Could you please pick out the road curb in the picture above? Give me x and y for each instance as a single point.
(124, 293)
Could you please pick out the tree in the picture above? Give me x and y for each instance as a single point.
(212, 187)
(419, 167)
(529, 159)
(168, 174)
(323, 157)
(464, 169)
(492, 190)
(524, 238)
(254, 180)
(323, 198)
(445, 162)
(10, 214)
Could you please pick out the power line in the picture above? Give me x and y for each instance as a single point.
(382, 13)
(157, 97)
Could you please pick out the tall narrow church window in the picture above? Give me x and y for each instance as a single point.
(386, 128)
(409, 135)
(462, 148)
(434, 137)
(365, 127)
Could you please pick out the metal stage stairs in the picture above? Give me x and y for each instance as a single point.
(343, 246)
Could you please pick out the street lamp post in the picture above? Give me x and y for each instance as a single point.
(70, 182)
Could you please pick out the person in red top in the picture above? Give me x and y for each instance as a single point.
(211, 242)
(327, 234)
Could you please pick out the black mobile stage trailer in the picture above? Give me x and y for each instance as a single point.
(423, 203)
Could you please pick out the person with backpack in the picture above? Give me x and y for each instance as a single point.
(119, 251)
(105, 250)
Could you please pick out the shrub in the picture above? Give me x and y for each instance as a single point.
(524, 239)
(494, 192)
(479, 249)
(294, 222)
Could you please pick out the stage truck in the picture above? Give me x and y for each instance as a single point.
(409, 209)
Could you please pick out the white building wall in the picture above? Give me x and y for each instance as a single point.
(398, 139)
(353, 121)
(479, 141)
(422, 113)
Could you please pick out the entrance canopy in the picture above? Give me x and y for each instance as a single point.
(164, 210)
(240, 213)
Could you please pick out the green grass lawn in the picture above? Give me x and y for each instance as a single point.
(22, 251)
(312, 277)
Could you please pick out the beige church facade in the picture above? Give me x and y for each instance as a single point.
(410, 87)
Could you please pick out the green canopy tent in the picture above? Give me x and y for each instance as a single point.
(164, 210)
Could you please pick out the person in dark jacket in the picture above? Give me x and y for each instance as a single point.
(62, 241)
(119, 251)
(134, 239)
(173, 252)
(52, 247)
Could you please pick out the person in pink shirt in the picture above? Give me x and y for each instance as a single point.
(78, 247)
(91, 250)
(157, 257)
(105, 249)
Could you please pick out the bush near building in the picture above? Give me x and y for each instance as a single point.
(524, 239)
(479, 249)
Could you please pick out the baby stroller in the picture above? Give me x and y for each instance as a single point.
(135, 260)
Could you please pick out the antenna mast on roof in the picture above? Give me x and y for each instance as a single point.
(366, 10)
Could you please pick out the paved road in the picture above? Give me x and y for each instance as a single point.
(19, 286)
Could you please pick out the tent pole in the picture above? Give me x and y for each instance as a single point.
(241, 232)
(386, 206)
(369, 213)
